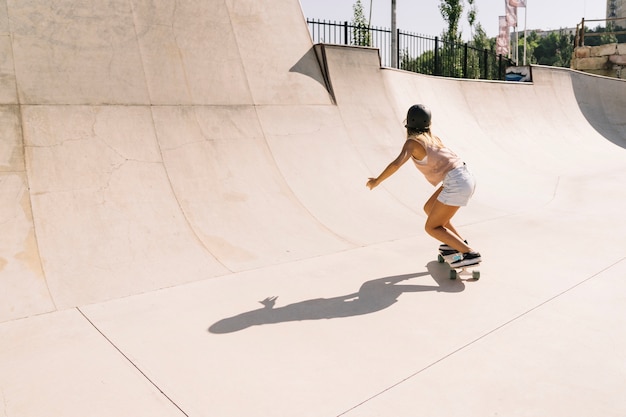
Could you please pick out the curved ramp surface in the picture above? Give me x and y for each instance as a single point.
(185, 228)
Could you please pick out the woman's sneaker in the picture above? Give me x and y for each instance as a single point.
(449, 249)
(448, 252)
(470, 258)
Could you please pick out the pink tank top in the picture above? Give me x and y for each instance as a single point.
(437, 162)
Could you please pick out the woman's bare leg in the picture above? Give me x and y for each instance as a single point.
(428, 207)
(440, 214)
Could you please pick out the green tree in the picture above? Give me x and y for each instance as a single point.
(478, 43)
(480, 39)
(451, 11)
(471, 16)
(532, 41)
(476, 56)
(605, 35)
(555, 49)
(609, 36)
(424, 64)
(361, 31)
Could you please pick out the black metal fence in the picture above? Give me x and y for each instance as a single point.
(417, 53)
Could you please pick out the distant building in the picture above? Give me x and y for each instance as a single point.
(544, 33)
(562, 31)
(616, 8)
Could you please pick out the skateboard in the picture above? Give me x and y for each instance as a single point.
(455, 272)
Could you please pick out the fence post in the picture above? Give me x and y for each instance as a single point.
(465, 60)
(485, 68)
(436, 69)
(582, 36)
(397, 52)
(346, 39)
(394, 36)
(500, 67)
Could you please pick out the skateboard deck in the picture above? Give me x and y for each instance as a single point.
(455, 272)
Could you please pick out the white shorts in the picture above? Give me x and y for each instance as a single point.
(458, 187)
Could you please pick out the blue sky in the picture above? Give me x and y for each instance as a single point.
(423, 16)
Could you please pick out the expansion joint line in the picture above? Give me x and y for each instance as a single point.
(454, 352)
(132, 363)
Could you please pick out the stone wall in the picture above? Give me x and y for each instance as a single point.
(608, 60)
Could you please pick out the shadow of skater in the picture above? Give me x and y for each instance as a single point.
(373, 296)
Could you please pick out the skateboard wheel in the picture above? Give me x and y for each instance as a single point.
(453, 274)
(476, 274)
(440, 259)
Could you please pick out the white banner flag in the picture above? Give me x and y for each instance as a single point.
(511, 14)
(517, 3)
(502, 46)
(504, 38)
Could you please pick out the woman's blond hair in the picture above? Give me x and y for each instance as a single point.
(425, 136)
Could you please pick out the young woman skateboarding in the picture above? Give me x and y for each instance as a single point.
(439, 165)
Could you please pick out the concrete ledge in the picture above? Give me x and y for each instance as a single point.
(603, 50)
(596, 63)
(600, 60)
(618, 59)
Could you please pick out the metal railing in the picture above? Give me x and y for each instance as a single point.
(612, 29)
(417, 53)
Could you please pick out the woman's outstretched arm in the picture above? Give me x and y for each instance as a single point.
(410, 148)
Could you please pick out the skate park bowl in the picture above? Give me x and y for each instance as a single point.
(186, 231)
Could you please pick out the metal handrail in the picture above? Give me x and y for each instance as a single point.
(580, 30)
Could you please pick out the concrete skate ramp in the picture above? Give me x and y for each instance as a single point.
(166, 166)
(601, 103)
(141, 144)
